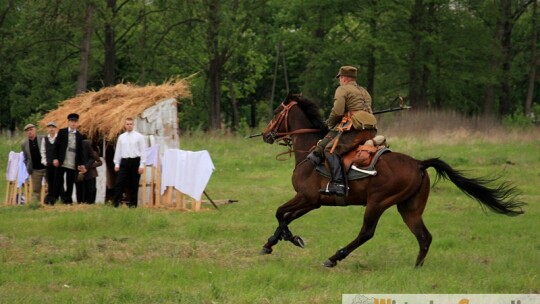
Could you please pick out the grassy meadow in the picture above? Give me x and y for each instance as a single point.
(99, 254)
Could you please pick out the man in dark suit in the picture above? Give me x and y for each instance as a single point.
(86, 180)
(68, 155)
(32, 159)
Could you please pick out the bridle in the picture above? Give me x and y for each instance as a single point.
(285, 137)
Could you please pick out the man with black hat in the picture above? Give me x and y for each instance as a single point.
(32, 159)
(68, 155)
(48, 146)
(351, 118)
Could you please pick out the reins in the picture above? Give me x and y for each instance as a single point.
(286, 137)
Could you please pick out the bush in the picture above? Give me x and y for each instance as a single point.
(517, 120)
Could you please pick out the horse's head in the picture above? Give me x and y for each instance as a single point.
(279, 127)
(295, 115)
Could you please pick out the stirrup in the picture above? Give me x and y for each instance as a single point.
(327, 191)
(368, 172)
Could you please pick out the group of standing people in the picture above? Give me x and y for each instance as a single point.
(67, 160)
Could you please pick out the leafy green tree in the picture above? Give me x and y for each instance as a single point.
(39, 67)
(7, 19)
(474, 56)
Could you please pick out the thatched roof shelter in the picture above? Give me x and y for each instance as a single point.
(102, 113)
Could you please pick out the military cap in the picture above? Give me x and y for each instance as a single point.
(28, 126)
(347, 70)
(51, 124)
(73, 116)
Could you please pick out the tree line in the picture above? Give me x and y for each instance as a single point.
(477, 57)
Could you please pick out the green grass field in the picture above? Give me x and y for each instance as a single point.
(98, 254)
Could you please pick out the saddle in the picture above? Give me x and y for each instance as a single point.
(360, 162)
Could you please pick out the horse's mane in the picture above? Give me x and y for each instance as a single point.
(312, 111)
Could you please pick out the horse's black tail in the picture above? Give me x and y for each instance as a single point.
(501, 199)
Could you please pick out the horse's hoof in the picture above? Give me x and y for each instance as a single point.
(296, 240)
(265, 251)
(329, 264)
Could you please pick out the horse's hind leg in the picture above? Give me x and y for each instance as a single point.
(371, 218)
(411, 212)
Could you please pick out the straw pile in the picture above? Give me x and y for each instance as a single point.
(102, 114)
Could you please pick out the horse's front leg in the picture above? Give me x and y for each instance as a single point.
(291, 216)
(285, 214)
(282, 224)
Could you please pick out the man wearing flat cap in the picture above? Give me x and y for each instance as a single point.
(352, 115)
(48, 147)
(68, 155)
(32, 159)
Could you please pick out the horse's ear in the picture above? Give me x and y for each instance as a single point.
(288, 98)
(292, 97)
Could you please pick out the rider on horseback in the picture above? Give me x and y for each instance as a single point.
(351, 123)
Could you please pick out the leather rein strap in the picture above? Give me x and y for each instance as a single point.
(283, 117)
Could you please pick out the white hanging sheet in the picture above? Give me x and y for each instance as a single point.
(187, 171)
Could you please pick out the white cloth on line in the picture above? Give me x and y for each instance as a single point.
(23, 173)
(188, 171)
(152, 155)
(12, 166)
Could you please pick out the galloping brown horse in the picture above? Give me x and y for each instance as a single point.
(401, 180)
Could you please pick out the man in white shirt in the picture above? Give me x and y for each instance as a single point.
(48, 146)
(129, 162)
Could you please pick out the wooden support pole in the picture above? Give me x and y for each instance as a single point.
(167, 196)
(158, 186)
(44, 191)
(152, 202)
(28, 190)
(8, 189)
(142, 185)
(180, 203)
(195, 205)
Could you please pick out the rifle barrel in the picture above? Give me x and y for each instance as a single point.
(392, 110)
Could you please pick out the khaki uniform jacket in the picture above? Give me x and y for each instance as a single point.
(349, 97)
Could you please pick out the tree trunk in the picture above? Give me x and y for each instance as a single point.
(495, 61)
(82, 78)
(110, 48)
(215, 65)
(253, 113)
(506, 44)
(533, 61)
(234, 105)
(416, 67)
(371, 60)
(215, 93)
